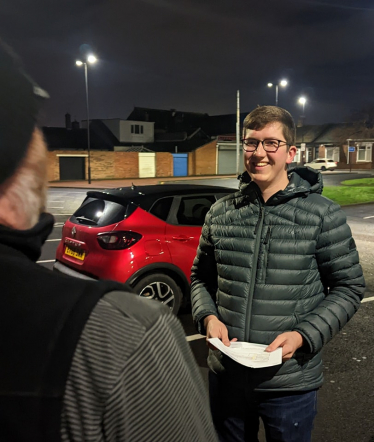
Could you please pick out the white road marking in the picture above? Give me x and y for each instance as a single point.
(61, 214)
(58, 224)
(46, 260)
(367, 217)
(55, 207)
(195, 337)
(368, 299)
(59, 239)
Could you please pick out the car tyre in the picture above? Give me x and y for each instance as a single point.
(323, 168)
(162, 288)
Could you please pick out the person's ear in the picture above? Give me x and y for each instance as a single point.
(292, 151)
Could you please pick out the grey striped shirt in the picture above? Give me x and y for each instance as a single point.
(133, 378)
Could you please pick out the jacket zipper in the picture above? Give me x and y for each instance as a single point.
(257, 232)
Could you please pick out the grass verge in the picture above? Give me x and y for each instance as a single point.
(345, 195)
(362, 182)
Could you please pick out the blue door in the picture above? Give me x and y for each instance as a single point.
(180, 164)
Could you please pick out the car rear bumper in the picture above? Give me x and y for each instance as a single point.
(59, 267)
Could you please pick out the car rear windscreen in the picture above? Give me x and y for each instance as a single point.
(99, 213)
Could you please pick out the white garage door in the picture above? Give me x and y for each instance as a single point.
(147, 164)
(227, 159)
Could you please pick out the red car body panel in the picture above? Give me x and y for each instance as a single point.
(160, 243)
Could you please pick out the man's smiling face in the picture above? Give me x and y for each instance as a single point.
(269, 169)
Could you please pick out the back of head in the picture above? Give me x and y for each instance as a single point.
(22, 149)
(264, 115)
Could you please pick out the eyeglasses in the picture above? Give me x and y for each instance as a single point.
(269, 145)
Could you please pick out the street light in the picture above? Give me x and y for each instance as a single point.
(282, 83)
(302, 101)
(90, 59)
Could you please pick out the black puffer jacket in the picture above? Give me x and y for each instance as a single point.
(263, 269)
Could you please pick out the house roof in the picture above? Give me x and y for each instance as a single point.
(61, 138)
(170, 120)
(222, 124)
(332, 134)
(133, 149)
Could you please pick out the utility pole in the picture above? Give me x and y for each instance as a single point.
(237, 132)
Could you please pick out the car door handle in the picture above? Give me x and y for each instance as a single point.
(182, 238)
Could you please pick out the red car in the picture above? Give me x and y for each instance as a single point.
(145, 236)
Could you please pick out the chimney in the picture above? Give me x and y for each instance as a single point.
(68, 121)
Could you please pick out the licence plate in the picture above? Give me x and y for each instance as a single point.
(78, 255)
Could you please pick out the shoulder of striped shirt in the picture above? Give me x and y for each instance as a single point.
(144, 311)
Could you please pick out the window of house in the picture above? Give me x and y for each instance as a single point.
(297, 156)
(364, 152)
(137, 129)
(332, 153)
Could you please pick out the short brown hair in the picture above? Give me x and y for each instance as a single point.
(264, 115)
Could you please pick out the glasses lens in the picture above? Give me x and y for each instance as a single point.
(271, 145)
(250, 145)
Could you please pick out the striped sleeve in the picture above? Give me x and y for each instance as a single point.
(133, 380)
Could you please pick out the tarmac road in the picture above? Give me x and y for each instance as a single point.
(346, 401)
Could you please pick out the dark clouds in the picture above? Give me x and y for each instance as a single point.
(193, 55)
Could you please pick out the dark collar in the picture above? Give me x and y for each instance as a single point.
(30, 241)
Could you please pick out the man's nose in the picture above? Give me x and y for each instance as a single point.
(260, 151)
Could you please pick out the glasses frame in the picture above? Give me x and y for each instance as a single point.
(243, 140)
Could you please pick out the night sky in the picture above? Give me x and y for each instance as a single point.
(193, 55)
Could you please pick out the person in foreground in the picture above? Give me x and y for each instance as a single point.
(79, 360)
(276, 265)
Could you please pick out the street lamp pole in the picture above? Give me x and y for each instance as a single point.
(88, 125)
(282, 83)
(90, 59)
(276, 95)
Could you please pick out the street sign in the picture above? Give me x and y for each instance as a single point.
(302, 147)
(351, 148)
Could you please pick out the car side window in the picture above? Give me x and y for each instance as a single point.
(161, 208)
(192, 210)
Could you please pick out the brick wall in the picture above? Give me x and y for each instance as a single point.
(203, 161)
(126, 165)
(109, 165)
(102, 165)
(164, 164)
(53, 166)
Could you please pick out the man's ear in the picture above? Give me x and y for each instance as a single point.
(292, 151)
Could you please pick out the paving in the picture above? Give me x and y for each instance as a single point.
(105, 184)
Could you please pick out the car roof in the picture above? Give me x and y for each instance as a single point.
(145, 196)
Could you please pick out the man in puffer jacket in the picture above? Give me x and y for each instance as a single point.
(276, 265)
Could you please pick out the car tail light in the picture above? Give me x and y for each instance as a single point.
(118, 240)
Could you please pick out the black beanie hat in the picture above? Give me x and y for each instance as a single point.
(20, 99)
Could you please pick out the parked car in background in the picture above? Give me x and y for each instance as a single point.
(322, 164)
(145, 236)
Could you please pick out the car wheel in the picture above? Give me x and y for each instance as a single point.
(323, 168)
(161, 288)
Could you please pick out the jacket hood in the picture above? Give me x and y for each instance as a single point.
(302, 182)
(30, 241)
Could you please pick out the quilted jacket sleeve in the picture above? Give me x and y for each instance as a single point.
(342, 277)
(204, 279)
